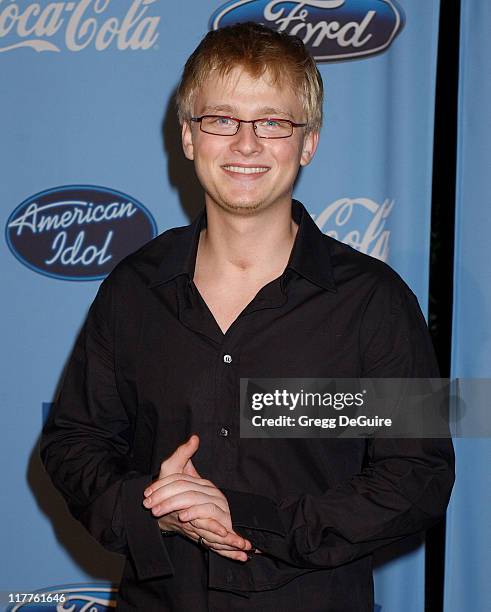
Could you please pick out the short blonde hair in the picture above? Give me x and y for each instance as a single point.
(258, 50)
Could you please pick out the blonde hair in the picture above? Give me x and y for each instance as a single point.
(258, 50)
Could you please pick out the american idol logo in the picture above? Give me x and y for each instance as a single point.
(359, 223)
(68, 598)
(50, 26)
(331, 29)
(77, 232)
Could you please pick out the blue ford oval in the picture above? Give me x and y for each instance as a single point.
(331, 29)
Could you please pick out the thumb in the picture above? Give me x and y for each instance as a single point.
(190, 470)
(176, 462)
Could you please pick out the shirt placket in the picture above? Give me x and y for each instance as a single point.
(225, 407)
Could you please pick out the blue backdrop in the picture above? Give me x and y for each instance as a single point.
(91, 167)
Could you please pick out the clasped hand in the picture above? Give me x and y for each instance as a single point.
(193, 506)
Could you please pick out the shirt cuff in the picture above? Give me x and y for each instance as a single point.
(261, 573)
(256, 518)
(145, 543)
(254, 512)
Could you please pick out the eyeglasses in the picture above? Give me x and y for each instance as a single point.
(269, 127)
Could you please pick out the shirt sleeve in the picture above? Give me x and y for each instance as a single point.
(404, 488)
(86, 449)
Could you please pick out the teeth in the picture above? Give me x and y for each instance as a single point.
(243, 170)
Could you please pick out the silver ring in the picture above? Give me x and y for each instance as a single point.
(200, 541)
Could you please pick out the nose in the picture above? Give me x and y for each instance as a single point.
(245, 141)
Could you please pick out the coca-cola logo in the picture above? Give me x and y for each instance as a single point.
(331, 29)
(360, 223)
(74, 26)
(77, 232)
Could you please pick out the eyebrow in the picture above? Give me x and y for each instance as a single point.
(264, 111)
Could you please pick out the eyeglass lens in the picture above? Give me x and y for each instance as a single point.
(264, 128)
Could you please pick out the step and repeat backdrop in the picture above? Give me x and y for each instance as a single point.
(91, 167)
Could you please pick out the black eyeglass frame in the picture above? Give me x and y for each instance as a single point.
(253, 121)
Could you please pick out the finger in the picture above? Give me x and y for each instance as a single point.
(208, 516)
(212, 526)
(178, 502)
(211, 539)
(171, 522)
(185, 478)
(232, 552)
(229, 539)
(207, 510)
(179, 458)
(200, 494)
(223, 546)
(162, 490)
(162, 482)
(236, 556)
(190, 469)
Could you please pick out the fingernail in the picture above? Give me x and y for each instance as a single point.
(147, 492)
(183, 516)
(147, 502)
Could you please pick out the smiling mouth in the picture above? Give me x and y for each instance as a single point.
(246, 169)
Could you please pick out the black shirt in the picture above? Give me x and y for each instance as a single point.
(151, 366)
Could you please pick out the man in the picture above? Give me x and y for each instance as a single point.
(251, 288)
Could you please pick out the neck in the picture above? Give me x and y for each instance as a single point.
(254, 246)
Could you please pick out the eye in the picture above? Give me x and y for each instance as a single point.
(223, 121)
(273, 126)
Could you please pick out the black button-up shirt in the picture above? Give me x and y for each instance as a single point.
(151, 366)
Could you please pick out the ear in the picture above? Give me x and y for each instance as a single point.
(187, 140)
(310, 143)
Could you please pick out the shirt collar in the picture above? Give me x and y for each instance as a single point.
(181, 246)
(310, 256)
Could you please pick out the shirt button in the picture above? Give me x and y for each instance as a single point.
(224, 432)
(227, 358)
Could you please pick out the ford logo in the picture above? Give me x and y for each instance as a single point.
(331, 29)
(78, 232)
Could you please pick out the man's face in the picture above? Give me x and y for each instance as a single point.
(244, 173)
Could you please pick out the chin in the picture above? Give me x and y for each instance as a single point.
(241, 206)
